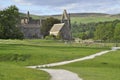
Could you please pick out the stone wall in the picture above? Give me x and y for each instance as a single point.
(31, 31)
(65, 33)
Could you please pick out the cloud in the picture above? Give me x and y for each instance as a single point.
(23, 2)
(45, 2)
(63, 3)
(1, 7)
(103, 6)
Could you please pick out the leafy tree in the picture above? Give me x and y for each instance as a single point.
(47, 25)
(83, 31)
(104, 31)
(9, 19)
(109, 33)
(117, 32)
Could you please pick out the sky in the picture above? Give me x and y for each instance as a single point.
(52, 7)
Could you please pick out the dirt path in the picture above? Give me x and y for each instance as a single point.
(71, 61)
(60, 74)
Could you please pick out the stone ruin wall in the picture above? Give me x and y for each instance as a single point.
(31, 31)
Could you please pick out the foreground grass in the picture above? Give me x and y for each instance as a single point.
(16, 54)
(106, 67)
(14, 72)
(40, 52)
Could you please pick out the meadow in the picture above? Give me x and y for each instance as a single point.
(92, 19)
(82, 17)
(106, 67)
(15, 55)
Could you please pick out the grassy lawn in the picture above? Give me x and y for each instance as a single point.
(92, 19)
(106, 67)
(14, 72)
(34, 52)
(16, 54)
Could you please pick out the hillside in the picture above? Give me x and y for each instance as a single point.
(84, 14)
(90, 17)
(31, 15)
(82, 17)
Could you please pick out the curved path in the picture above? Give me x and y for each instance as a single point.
(60, 74)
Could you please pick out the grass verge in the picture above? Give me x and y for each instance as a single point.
(106, 67)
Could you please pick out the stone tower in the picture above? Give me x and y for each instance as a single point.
(66, 20)
(28, 16)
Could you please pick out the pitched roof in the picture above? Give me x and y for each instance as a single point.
(56, 29)
(65, 15)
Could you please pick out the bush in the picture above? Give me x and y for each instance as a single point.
(14, 57)
(50, 37)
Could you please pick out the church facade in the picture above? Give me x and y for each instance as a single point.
(62, 29)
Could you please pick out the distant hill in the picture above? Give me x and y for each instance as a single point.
(83, 17)
(116, 15)
(31, 15)
(85, 14)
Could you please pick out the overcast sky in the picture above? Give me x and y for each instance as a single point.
(50, 7)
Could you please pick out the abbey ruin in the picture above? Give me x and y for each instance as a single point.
(31, 28)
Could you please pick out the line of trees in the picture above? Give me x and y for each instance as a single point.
(9, 19)
(82, 30)
(108, 31)
(104, 31)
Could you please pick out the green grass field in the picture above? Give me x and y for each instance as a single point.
(87, 18)
(34, 52)
(15, 72)
(16, 54)
(106, 67)
(91, 19)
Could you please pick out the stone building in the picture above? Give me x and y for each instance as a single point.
(62, 29)
(30, 27)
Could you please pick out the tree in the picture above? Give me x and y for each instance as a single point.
(82, 30)
(47, 25)
(109, 33)
(9, 19)
(104, 31)
(99, 31)
(117, 32)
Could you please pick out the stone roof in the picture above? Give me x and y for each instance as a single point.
(30, 25)
(65, 15)
(56, 29)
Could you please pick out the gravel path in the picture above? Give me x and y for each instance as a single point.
(60, 74)
(71, 61)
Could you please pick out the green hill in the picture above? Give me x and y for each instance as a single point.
(82, 17)
(31, 15)
(90, 17)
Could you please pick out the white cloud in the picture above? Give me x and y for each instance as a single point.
(22, 2)
(69, 6)
(1, 7)
(46, 2)
(55, 6)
